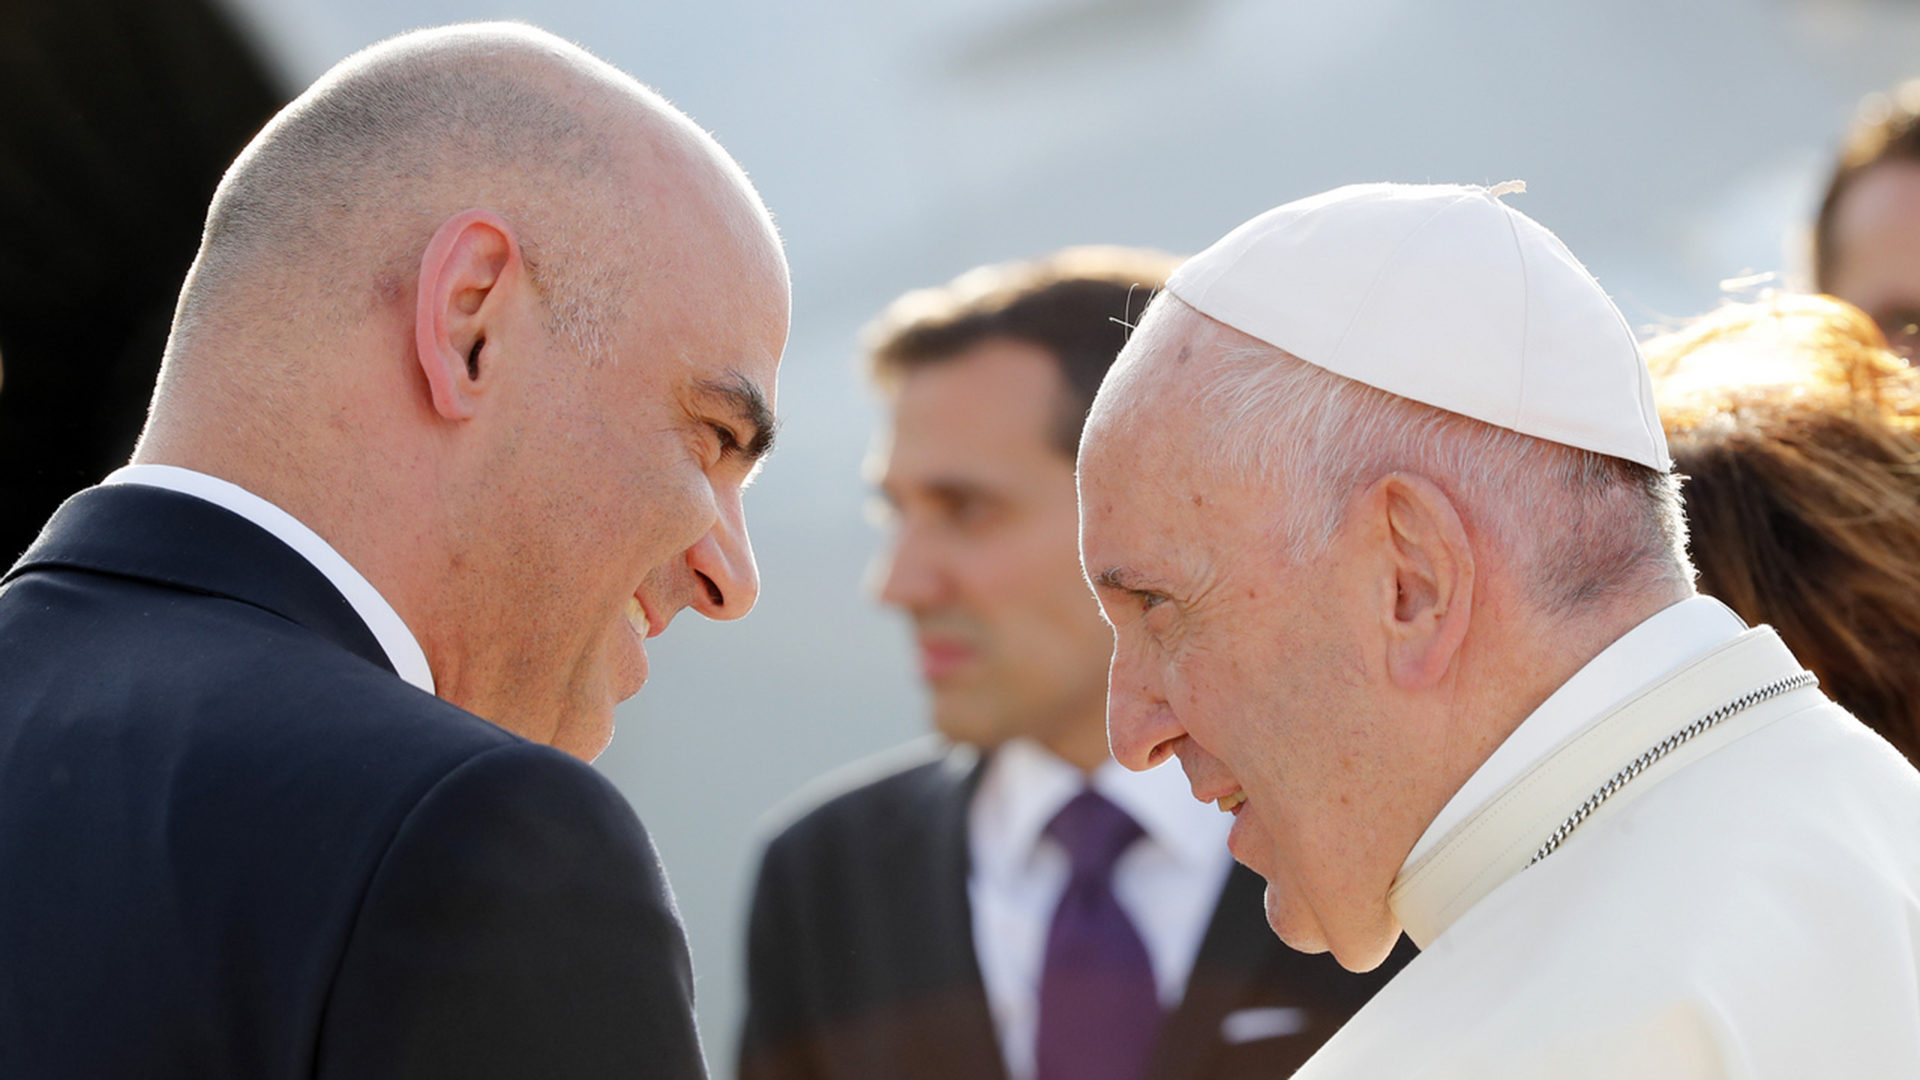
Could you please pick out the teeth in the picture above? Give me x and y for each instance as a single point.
(637, 618)
(1229, 803)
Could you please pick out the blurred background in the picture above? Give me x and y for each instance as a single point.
(1676, 147)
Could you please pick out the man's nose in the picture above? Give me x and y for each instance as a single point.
(725, 580)
(1141, 729)
(909, 575)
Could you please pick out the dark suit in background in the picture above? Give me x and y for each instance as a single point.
(861, 961)
(233, 843)
(117, 118)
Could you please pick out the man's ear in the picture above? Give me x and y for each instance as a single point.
(466, 262)
(1430, 566)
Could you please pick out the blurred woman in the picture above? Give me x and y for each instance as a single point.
(1799, 432)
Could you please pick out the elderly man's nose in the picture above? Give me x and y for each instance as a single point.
(1141, 729)
(726, 583)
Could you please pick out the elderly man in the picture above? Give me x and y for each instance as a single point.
(932, 922)
(477, 352)
(1378, 505)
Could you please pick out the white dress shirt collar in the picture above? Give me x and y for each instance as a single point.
(402, 648)
(1641, 656)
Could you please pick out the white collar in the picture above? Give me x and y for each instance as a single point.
(402, 648)
(1643, 655)
(1025, 785)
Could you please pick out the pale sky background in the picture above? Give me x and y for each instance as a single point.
(1672, 144)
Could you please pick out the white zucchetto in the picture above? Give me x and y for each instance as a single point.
(1443, 294)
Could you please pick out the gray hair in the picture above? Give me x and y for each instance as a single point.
(1577, 527)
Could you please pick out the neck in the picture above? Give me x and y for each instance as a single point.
(353, 482)
(1542, 653)
(1505, 674)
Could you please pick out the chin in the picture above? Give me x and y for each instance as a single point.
(586, 737)
(1364, 949)
(1296, 925)
(585, 724)
(1366, 957)
(627, 666)
(963, 725)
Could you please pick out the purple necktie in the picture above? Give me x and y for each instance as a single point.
(1099, 1013)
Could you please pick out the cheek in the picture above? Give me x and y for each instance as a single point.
(1005, 577)
(1025, 554)
(664, 512)
(1211, 660)
(1212, 706)
(1244, 707)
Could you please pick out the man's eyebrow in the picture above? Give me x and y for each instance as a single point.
(949, 490)
(957, 488)
(1120, 579)
(750, 407)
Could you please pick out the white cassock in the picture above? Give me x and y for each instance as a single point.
(1745, 904)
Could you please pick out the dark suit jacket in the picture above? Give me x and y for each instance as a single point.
(234, 844)
(860, 958)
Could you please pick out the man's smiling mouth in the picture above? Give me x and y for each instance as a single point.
(637, 618)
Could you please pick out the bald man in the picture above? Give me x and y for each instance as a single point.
(461, 393)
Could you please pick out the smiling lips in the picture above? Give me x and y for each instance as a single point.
(638, 618)
(1206, 778)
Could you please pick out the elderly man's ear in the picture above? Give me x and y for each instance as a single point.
(1425, 577)
(468, 277)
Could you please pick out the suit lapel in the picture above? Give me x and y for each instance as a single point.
(952, 921)
(183, 542)
(1232, 956)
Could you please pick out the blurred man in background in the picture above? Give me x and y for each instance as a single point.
(1378, 503)
(1016, 905)
(1866, 239)
(457, 406)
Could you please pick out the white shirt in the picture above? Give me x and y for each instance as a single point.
(1640, 657)
(402, 648)
(1168, 882)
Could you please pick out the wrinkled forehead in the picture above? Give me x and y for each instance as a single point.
(1156, 475)
(1144, 429)
(1146, 408)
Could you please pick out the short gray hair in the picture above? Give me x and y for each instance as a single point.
(343, 183)
(1577, 527)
